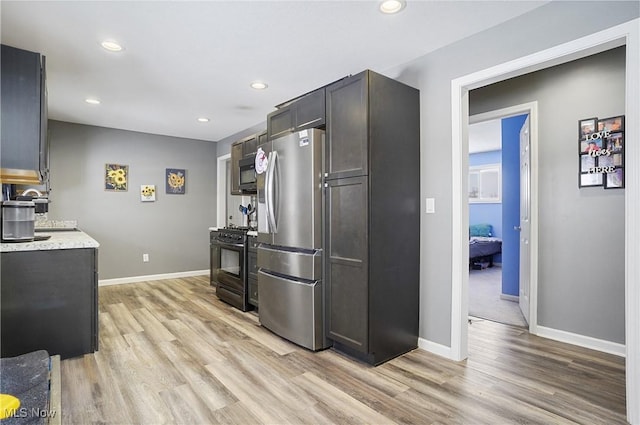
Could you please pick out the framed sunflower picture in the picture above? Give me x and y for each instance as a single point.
(116, 177)
(176, 181)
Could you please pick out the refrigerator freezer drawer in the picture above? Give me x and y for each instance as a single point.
(292, 310)
(305, 265)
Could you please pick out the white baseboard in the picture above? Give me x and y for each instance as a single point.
(508, 297)
(435, 348)
(134, 279)
(582, 341)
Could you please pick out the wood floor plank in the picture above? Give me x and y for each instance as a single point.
(236, 413)
(172, 352)
(260, 403)
(332, 396)
(187, 408)
(260, 334)
(199, 348)
(152, 327)
(250, 370)
(123, 319)
(210, 390)
(152, 365)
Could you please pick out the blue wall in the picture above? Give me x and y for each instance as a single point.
(487, 213)
(511, 204)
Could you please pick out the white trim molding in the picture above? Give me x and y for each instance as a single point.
(221, 219)
(434, 347)
(135, 279)
(632, 225)
(619, 35)
(582, 341)
(507, 297)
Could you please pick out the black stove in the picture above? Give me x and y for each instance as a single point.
(232, 234)
(229, 266)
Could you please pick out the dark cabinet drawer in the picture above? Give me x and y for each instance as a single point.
(253, 292)
(252, 264)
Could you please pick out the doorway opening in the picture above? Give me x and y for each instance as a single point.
(622, 34)
(495, 186)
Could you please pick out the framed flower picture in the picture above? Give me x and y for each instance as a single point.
(148, 192)
(116, 177)
(176, 181)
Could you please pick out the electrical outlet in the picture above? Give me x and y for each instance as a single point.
(145, 258)
(430, 206)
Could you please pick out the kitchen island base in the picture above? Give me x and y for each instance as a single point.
(49, 302)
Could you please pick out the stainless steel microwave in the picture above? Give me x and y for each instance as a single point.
(248, 174)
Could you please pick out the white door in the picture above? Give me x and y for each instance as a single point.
(525, 224)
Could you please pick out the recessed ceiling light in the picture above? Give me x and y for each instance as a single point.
(203, 119)
(259, 85)
(92, 101)
(111, 46)
(392, 6)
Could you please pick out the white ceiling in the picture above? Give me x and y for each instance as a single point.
(184, 59)
(485, 136)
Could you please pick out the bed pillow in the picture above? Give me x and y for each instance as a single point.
(485, 230)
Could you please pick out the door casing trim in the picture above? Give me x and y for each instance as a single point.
(222, 190)
(624, 34)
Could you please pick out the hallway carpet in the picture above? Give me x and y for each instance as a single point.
(484, 298)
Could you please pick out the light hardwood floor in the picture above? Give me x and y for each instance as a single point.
(171, 352)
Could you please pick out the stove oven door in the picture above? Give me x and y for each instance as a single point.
(231, 275)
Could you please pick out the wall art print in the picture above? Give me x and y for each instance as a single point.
(175, 179)
(601, 152)
(116, 177)
(148, 193)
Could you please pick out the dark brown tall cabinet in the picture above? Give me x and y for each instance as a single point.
(24, 146)
(372, 222)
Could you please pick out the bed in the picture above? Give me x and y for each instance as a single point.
(482, 245)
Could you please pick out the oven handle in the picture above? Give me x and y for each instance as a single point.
(229, 245)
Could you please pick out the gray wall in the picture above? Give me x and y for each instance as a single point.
(581, 231)
(173, 230)
(545, 27)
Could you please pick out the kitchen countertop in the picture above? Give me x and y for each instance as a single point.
(60, 239)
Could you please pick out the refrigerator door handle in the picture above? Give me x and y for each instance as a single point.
(266, 193)
(270, 192)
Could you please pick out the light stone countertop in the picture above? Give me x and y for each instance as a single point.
(59, 240)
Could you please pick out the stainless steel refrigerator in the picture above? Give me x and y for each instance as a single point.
(290, 236)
